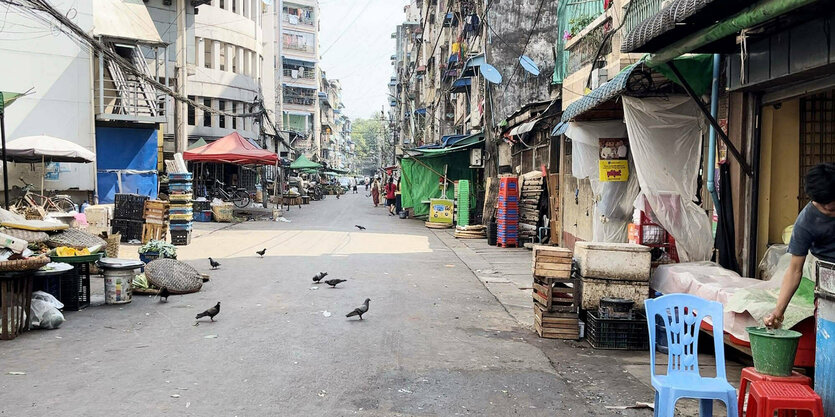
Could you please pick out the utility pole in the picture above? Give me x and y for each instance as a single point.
(491, 150)
(180, 110)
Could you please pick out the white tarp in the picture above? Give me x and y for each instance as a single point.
(124, 19)
(34, 149)
(665, 137)
(613, 200)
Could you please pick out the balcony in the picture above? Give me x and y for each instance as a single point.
(296, 46)
(305, 19)
(641, 10)
(300, 73)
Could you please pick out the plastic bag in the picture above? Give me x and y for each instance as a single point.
(45, 315)
(49, 298)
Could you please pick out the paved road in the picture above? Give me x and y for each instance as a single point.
(435, 341)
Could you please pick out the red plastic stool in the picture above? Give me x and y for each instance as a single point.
(750, 374)
(768, 397)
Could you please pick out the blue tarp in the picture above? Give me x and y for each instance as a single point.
(446, 141)
(130, 155)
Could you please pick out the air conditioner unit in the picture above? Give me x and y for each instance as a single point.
(599, 76)
(476, 158)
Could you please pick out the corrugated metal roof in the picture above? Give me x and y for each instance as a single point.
(615, 87)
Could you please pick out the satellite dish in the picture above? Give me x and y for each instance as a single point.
(490, 73)
(529, 65)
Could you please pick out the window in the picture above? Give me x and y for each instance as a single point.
(221, 105)
(207, 116)
(222, 4)
(222, 57)
(191, 112)
(234, 119)
(817, 141)
(234, 6)
(207, 54)
(235, 68)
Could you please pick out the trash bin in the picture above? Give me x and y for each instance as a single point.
(118, 278)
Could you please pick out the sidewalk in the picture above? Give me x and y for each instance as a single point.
(506, 273)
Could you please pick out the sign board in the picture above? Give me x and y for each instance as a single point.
(614, 160)
(440, 210)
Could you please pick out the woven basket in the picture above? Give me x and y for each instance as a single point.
(74, 238)
(27, 235)
(112, 248)
(178, 277)
(24, 264)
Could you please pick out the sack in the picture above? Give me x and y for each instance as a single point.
(49, 298)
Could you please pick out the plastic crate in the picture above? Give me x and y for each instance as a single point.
(183, 188)
(182, 197)
(75, 288)
(128, 228)
(508, 199)
(617, 334)
(180, 227)
(203, 216)
(181, 237)
(129, 206)
(180, 176)
(202, 205)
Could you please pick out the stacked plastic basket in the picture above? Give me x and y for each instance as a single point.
(507, 216)
(463, 196)
(181, 214)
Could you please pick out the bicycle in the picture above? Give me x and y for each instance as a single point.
(58, 203)
(240, 198)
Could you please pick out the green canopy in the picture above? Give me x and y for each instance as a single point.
(467, 142)
(302, 163)
(200, 142)
(7, 98)
(420, 179)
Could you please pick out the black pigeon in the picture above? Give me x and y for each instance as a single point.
(163, 293)
(261, 252)
(214, 263)
(359, 227)
(334, 282)
(318, 277)
(359, 311)
(211, 313)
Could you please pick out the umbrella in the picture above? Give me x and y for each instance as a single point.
(32, 149)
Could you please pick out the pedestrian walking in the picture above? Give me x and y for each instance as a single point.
(354, 184)
(375, 192)
(391, 189)
(367, 183)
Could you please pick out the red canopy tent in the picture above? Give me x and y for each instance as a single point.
(232, 149)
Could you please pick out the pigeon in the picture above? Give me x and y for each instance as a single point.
(359, 311)
(261, 252)
(359, 227)
(334, 282)
(163, 293)
(214, 263)
(212, 312)
(318, 277)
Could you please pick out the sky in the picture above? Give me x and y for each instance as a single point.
(355, 45)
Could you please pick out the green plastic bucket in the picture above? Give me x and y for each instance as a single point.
(773, 350)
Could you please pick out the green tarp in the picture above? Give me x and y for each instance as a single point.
(419, 183)
(697, 70)
(462, 144)
(303, 163)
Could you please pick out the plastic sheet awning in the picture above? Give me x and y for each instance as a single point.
(459, 143)
(612, 89)
(124, 19)
(461, 85)
(232, 149)
(303, 163)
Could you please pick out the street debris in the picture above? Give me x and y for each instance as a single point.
(210, 336)
(638, 405)
(283, 219)
(326, 313)
(15, 373)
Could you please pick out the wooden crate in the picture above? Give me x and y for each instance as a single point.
(151, 231)
(552, 262)
(156, 209)
(556, 325)
(594, 289)
(557, 295)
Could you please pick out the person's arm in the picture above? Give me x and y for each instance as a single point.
(791, 280)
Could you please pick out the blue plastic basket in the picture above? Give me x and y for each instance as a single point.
(180, 176)
(203, 216)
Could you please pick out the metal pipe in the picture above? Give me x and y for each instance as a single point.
(755, 188)
(101, 83)
(5, 163)
(711, 147)
(748, 17)
(731, 148)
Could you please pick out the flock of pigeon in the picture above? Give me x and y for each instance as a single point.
(214, 311)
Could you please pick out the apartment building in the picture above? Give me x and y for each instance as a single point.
(228, 71)
(298, 74)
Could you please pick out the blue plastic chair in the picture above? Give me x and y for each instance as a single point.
(682, 315)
